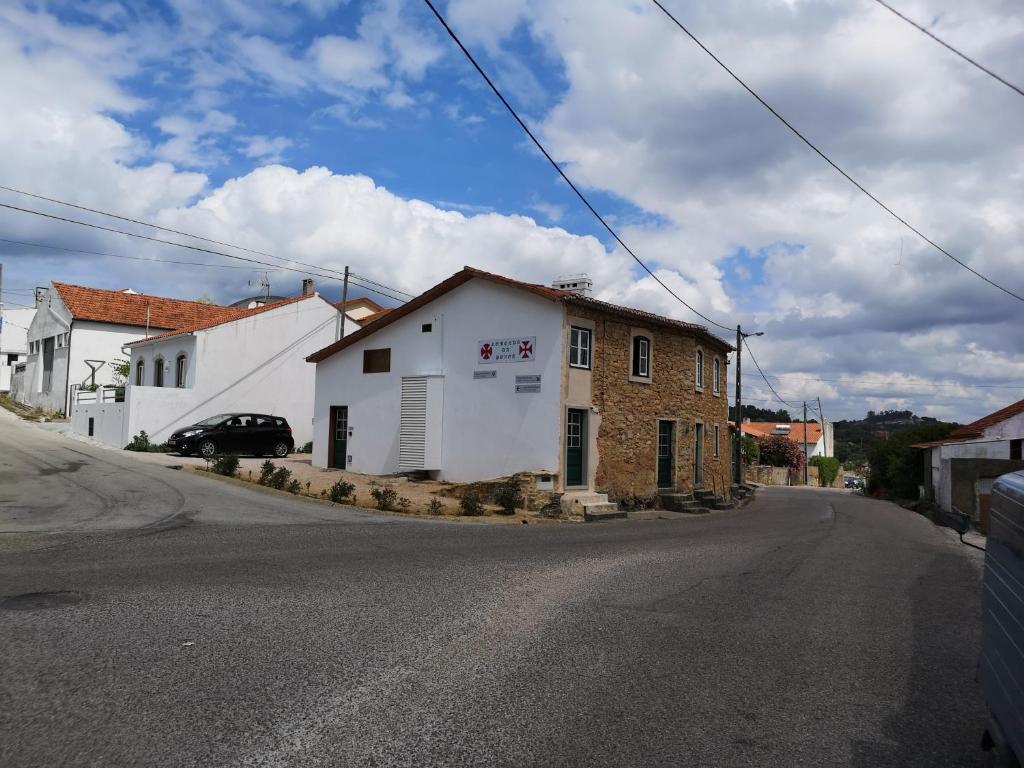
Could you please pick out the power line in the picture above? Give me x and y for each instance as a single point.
(758, 366)
(829, 160)
(123, 256)
(868, 382)
(381, 285)
(946, 45)
(562, 173)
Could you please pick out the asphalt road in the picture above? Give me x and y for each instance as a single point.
(812, 628)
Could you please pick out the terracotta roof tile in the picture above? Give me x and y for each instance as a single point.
(977, 428)
(796, 430)
(240, 314)
(103, 306)
(386, 317)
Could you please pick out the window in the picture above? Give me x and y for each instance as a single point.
(1016, 449)
(158, 372)
(12, 359)
(427, 327)
(376, 360)
(579, 347)
(699, 375)
(716, 376)
(180, 369)
(140, 373)
(641, 357)
(716, 437)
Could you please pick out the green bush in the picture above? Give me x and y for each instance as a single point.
(779, 451)
(139, 443)
(470, 505)
(226, 464)
(896, 468)
(341, 492)
(280, 478)
(404, 504)
(828, 468)
(509, 496)
(294, 486)
(385, 496)
(266, 472)
(748, 448)
(307, 448)
(435, 507)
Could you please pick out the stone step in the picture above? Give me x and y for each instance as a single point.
(724, 505)
(700, 493)
(606, 511)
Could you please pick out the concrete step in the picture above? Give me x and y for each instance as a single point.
(724, 505)
(700, 493)
(606, 511)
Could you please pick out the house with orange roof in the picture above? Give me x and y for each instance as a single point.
(819, 439)
(959, 470)
(250, 361)
(483, 376)
(78, 333)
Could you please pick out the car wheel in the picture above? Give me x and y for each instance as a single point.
(280, 449)
(207, 449)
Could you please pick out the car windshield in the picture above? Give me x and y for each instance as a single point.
(213, 421)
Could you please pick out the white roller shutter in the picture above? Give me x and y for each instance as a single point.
(412, 436)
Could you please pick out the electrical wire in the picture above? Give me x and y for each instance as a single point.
(831, 162)
(562, 173)
(946, 45)
(868, 382)
(758, 366)
(381, 285)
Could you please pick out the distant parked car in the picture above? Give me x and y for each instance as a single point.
(253, 433)
(854, 481)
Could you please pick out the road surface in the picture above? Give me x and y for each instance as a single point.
(812, 628)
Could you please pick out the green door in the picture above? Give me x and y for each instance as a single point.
(575, 440)
(339, 436)
(665, 432)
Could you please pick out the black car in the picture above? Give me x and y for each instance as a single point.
(255, 433)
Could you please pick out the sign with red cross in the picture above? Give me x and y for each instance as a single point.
(511, 349)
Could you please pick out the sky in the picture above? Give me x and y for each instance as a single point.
(338, 133)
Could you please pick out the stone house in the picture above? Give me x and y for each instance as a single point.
(483, 376)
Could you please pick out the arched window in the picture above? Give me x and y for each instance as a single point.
(641, 357)
(716, 376)
(180, 368)
(158, 372)
(698, 378)
(140, 373)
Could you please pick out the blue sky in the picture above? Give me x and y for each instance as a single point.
(354, 133)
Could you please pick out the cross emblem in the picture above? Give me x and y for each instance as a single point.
(525, 350)
(486, 351)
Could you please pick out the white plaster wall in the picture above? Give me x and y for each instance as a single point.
(256, 364)
(488, 430)
(51, 318)
(108, 422)
(1010, 429)
(13, 341)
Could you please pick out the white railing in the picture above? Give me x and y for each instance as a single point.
(99, 395)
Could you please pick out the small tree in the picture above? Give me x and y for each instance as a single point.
(509, 496)
(749, 450)
(119, 371)
(828, 468)
(779, 451)
(266, 472)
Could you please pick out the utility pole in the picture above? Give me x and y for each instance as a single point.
(344, 308)
(806, 479)
(737, 473)
(824, 433)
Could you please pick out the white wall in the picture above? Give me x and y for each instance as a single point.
(488, 430)
(983, 448)
(13, 342)
(51, 318)
(1010, 429)
(256, 364)
(108, 422)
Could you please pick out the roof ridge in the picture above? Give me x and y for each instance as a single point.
(123, 292)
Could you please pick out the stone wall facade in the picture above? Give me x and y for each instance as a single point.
(630, 408)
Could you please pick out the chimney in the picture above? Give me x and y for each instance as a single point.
(580, 284)
(307, 286)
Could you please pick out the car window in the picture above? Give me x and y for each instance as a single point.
(245, 421)
(213, 421)
(281, 422)
(263, 421)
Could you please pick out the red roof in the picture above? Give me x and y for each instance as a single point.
(103, 306)
(239, 315)
(977, 428)
(384, 319)
(366, 301)
(796, 430)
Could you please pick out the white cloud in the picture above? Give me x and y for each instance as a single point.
(267, 149)
(192, 140)
(351, 62)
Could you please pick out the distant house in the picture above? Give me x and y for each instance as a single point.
(820, 441)
(252, 361)
(14, 324)
(483, 376)
(959, 470)
(77, 335)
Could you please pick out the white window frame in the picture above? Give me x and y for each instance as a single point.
(698, 362)
(716, 375)
(158, 369)
(140, 373)
(643, 366)
(717, 431)
(582, 351)
(181, 370)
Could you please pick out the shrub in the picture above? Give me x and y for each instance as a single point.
(266, 472)
(294, 486)
(779, 451)
(226, 464)
(435, 507)
(385, 496)
(828, 468)
(307, 448)
(404, 504)
(896, 468)
(470, 505)
(280, 477)
(749, 450)
(340, 492)
(139, 443)
(509, 496)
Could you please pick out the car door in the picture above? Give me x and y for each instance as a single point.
(229, 435)
(263, 433)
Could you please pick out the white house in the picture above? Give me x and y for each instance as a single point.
(483, 376)
(77, 335)
(819, 437)
(959, 469)
(14, 324)
(251, 362)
